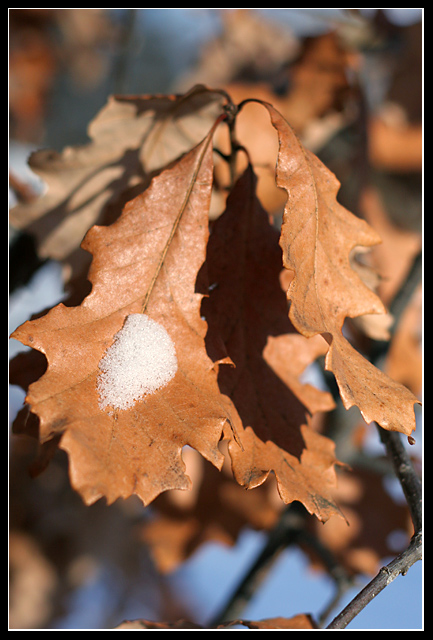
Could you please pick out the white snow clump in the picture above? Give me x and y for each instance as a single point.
(141, 360)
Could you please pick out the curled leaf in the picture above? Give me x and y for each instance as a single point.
(318, 236)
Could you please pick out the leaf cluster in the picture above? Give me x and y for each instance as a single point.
(141, 191)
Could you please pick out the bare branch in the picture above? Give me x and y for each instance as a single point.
(406, 474)
(400, 565)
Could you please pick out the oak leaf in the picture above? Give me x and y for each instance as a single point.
(317, 238)
(270, 409)
(300, 621)
(147, 261)
(150, 624)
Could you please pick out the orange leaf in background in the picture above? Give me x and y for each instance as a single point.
(270, 408)
(301, 621)
(217, 510)
(317, 238)
(150, 624)
(147, 260)
(373, 517)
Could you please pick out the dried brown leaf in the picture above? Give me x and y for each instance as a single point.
(301, 621)
(150, 624)
(148, 259)
(317, 238)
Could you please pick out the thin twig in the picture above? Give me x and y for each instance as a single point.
(400, 565)
(404, 470)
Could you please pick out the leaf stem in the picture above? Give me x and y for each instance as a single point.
(174, 228)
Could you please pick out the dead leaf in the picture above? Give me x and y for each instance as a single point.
(270, 410)
(33, 583)
(317, 238)
(247, 46)
(301, 621)
(33, 65)
(149, 624)
(147, 260)
(405, 358)
(395, 255)
(376, 326)
(313, 102)
(395, 145)
(130, 138)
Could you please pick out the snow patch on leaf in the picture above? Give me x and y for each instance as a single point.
(141, 360)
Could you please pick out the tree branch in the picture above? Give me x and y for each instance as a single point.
(404, 470)
(400, 565)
